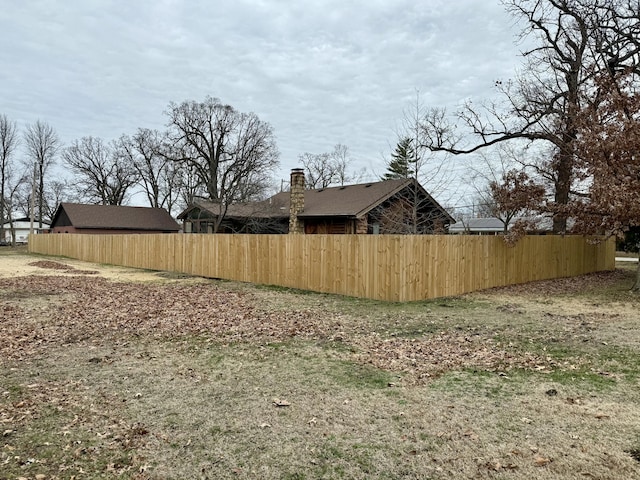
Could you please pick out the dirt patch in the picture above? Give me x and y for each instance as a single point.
(20, 264)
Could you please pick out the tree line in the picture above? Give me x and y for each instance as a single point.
(209, 149)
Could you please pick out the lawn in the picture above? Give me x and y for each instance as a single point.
(116, 373)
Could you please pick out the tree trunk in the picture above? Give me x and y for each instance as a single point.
(636, 285)
(2, 209)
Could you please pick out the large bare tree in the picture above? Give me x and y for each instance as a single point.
(159, 176)
(9, 141)
(574, 41)
(231, 153)
(42, 144)
(101, 174)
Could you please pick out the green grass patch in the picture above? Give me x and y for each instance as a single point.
(583, 379)
(353, 375)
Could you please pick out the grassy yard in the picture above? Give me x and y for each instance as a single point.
(160, 376)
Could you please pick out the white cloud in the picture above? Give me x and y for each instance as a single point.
(320, 72)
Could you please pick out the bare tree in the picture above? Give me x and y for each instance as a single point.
(42, 145)
(191, 187)
(159, 176)
(101, 175)
(432, 171)
(9, 141)
(323, 170)
(413, 213)
(576, 39)
(55, 192)
(228, 151)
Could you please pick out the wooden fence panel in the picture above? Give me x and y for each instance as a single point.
(384, 267)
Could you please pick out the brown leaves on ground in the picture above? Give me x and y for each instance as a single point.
(94, 311)
(89, 432)
(569, 285)
(51, 265)
(431, 356)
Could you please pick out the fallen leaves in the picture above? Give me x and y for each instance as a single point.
(51, 265)
(94, 310)
(420, 359)
(86, 431)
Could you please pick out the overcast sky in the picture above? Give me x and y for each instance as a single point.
(320, 72)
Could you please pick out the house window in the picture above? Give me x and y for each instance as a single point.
(376, 229)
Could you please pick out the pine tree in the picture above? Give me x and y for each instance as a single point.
(402, 159)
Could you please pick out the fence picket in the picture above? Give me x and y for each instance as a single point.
(383, 267)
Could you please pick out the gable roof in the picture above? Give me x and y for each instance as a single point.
(114, 217)
(347, 200)
(343, 201)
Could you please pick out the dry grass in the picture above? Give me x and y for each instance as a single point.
(175, 378)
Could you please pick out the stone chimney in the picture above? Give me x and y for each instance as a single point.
(296, 201)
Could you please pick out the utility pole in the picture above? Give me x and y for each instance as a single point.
(32, 203)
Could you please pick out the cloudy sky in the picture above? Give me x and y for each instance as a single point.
(320, 72)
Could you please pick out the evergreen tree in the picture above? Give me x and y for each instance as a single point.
(402, 160)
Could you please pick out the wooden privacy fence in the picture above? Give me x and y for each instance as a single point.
(383, 267)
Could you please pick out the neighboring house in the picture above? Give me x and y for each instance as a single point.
(22, 228)
(386, 207)
(255, 217)
(109, 219)
(495, 226)
(478, 226)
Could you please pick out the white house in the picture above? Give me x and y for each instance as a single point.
(478, 226)
(22, 228)
(494, 226)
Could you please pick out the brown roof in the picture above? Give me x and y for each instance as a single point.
(271, 208)
(345, 201)
(114, 217)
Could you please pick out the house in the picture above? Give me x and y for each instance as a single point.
(478, 226)
(495, 226)
(22, 228)
(109, 219)
(386, 207)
